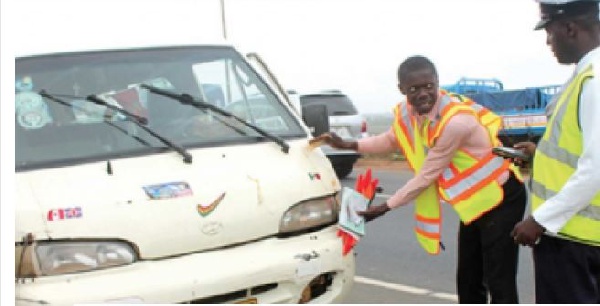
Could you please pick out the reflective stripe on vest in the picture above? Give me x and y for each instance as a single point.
(590, 211)
(465, 184)
(430, 228)
(556, 159)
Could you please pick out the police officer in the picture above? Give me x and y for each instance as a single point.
(564, 227)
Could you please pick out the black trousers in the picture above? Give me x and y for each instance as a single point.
(488, 255)
(566, 272)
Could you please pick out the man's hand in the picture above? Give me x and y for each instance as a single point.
(527, 232)
(335, 141)
(526, 147)
(374, 211)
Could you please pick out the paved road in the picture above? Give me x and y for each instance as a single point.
(392, 267)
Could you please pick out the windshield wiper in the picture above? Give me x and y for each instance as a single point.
(129, 115)
(189, 100)
(53, 98)
(137, 120)
(187, 157)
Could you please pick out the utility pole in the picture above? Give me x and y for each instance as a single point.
(223, 23)
(227, 77)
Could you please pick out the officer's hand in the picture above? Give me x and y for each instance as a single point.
(335, 141)
(526, 147)
(527, 232)
(374, 211)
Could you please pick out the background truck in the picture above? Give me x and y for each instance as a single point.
(522, 110)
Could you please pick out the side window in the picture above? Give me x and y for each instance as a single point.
(248, 85)
(216, 83)
(229, 86)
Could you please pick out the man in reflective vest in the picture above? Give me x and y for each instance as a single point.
(564, 228)
(447, 140)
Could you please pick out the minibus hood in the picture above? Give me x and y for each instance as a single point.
(164, 207)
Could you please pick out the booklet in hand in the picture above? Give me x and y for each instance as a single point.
(352, 202)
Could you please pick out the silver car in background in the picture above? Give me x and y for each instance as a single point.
(344, 120)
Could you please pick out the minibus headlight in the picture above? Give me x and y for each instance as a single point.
(60, 257)
(309, 214)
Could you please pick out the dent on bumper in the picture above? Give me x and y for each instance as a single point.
(289, 263)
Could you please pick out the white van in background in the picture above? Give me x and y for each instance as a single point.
(168, 174)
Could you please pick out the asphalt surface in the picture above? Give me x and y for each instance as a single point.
(392, 268)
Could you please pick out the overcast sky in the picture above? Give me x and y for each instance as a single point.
(352, 45)
(356, 46)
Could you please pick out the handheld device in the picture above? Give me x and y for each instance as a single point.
(507, 152)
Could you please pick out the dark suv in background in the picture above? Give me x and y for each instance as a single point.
(345, 121)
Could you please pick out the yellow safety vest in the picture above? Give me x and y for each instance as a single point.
(556, 158)
(469, 184)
